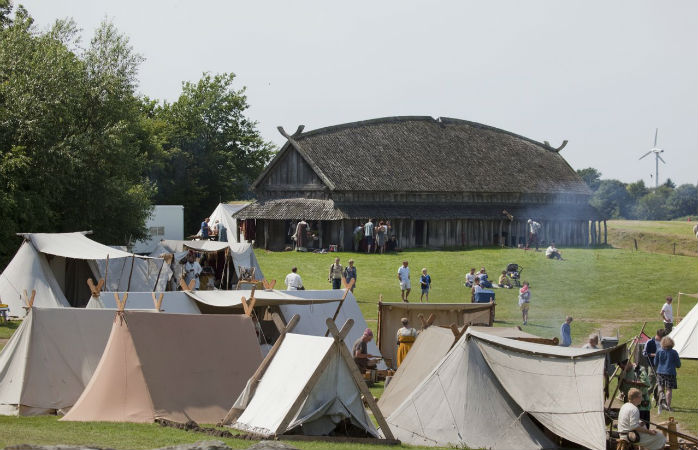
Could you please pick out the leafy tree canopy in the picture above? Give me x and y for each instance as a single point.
(591, 177)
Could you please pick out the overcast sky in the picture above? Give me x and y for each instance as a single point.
(601, 74)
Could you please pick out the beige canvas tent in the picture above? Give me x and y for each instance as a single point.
(430, 347)
(685, 333)
(445, 314)
(50, 358)
(307, 385)
(173, 302)
(57, 266)
(487, 389)
(173, 366)
(224, 213)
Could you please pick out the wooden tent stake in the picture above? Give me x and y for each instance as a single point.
(358, 379)
(120, 303)
(234, 412)
(29, 301)
(157, 301)
(347, 288)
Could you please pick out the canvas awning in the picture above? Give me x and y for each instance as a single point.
(233, 299)
(73, 245)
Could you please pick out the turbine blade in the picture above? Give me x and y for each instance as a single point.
(656, 130)
(660, 158)
(646, 154)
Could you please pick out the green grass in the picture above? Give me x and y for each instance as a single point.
(613, 289)
(7, 328)
(653, 236)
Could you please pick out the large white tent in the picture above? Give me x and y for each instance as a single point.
(224, 212)
(485, 390)
(173, 302)
(307, 386)
(50, 358)
(685, 334)
(57, 266)
(242, 255)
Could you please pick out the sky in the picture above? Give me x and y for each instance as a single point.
(601, 74)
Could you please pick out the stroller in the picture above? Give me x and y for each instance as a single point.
(514, 272)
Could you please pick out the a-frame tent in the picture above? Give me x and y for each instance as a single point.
(173, 366)
(685, 333)
(307, 385)
(224, 212)
(57, 266)
(173, 302)
(487, 389)
(50, 358)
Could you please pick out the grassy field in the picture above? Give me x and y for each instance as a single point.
(653, 236)
(611, 289)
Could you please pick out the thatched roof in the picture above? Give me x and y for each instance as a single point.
(422, 154)
(312, 209)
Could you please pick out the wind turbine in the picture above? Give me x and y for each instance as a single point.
(656, 150)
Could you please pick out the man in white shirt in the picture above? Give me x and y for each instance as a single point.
(403, 275)
(629, 420)
(534, 229)
(192, 270)
(552, 252)
(667, 313)
(470, 278)
(368, 235)
(293, 280)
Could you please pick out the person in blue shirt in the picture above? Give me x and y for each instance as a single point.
(425, 282)
(205, 230)
(666, 361)
(566, 332)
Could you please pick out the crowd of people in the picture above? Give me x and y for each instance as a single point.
(373, 238)
(215, 232)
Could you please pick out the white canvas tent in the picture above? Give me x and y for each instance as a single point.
(315, 388)
(491, 384)
(242, 255)
(224, 212)
(50, 358)
(57, 266)
(172, 302)
(685, 334)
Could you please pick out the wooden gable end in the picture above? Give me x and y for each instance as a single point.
(291, 173)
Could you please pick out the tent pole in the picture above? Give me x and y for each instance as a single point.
(106, 272)
(133, 261)
(158, 278)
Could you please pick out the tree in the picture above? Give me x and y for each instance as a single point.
(591, 177)
(653, 206)
(211, 151)
(611, 199)
(72, 149)
(670, 184)
(683, 201)
(637, 190)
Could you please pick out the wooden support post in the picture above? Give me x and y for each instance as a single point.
(157, 302)
(249, 307)
(106, 271)
(235, 413)
(184, 286)
(157, 280)
(358, 378)
(268, 285)
(266, 235)
(621, 377)
(120, 302)
(95, 290)
(29, 301)
(130, 274)
(347, 288)
(458, 334)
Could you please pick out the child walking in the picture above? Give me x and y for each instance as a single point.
(666, 360)
(425, 281)
(524, 301)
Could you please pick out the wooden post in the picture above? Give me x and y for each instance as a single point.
(158, 278)
(133, 262)
(605, 233)
(347, 288)
(266, 235)
(106, 271)
(95, 290)
(29, 301)
(458, 334)
(341, 235)
(235, 413)
(358, 379)
(157, 302)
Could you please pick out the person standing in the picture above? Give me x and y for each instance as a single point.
(405, 338)
(403, 275)
(358, 235)
(652, 346)
(293, 281)
(222, 233)
(534, 229)
(524, 301)
(205, 230)
(301, 236)
(667, 313)
(566, 332)
(425, 282)
(360, 350)
(381, 234)
(368, 235)
(192, 270)
(629, 420)
(350, 274)
(335, 276)
(666, 361)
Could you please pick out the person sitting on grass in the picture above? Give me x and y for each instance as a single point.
(504, 280)
(552, 252)
(629, 420)
(484, 282)
(470, 278)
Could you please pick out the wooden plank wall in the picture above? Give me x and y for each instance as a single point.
(449, 233)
